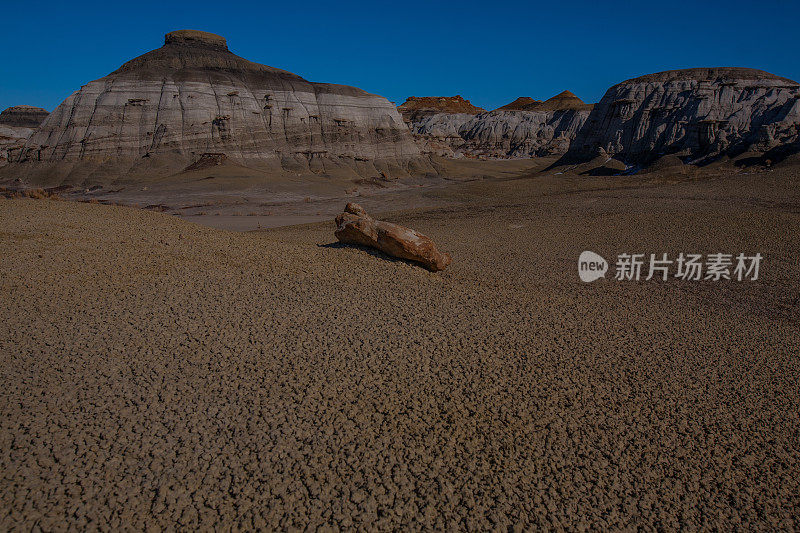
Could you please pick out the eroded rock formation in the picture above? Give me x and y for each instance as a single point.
(696, 114)
(12, 139)
(16, 126)
(355, 226)
(160, 112)
(524, 128)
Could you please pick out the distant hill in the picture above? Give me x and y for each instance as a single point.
(23, 116)
(417, 107)
(564, 100)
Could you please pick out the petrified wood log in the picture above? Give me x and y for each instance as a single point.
(355, 226)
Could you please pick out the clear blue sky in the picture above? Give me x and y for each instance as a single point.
(489, 52)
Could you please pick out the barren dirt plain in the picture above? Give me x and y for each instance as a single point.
(159, 374)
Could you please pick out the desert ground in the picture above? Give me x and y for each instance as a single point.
(156, 372)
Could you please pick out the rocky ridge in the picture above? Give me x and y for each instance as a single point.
(524, 128)
(160, 112)
(696, 114)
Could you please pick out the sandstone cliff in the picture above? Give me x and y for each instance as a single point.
(524, 128)
(160, 112)
(697, 114)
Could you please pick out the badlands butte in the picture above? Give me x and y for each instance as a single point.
(192, 128)
(159, 373)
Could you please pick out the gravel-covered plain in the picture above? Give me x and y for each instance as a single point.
(159, 374)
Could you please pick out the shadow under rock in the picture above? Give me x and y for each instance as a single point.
(771, 157)
(371, 251)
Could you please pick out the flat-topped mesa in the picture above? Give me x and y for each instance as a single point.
(196, 38)
(160, 112)
(709, 74)
(696, 114)
(445, 104)
(417, 107)
(23, 116)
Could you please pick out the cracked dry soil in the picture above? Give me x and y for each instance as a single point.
(159, 374)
